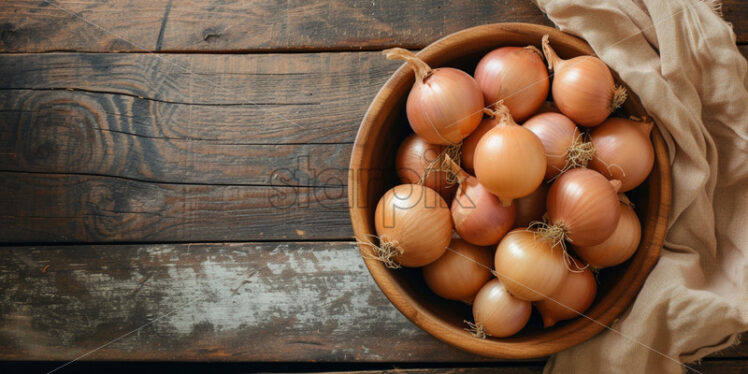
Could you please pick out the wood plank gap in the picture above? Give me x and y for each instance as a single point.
(143, 180)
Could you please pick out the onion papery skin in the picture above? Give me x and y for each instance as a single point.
(500, 313)
(530, 267)
(510, 161)
(414, 156)
(557, 133)
(585, 204)
(478, 215)
(623, 151)
(574, 296)
(617, 248)
(460, 272)
(531, 208)
(445, 107)
(583, 88)
(418, 219)
(471, 142)
(515, 75)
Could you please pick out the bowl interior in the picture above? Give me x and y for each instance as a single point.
(372, 173)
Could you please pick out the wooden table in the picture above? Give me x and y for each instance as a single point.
(173, 183)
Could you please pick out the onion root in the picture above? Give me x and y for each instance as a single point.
(619, 97)
(387, 251)
(476, 329)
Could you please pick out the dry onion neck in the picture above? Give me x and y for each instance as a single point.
(455, 174)
(500, 111)
(550, 54)
(535, 50)
(454, 152)
(476, 329)
(387, 251)
(422, 69)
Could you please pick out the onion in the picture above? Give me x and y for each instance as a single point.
(471, 142)
(460, 272)
(572, 298)
(623, 151)
(529, 266)
(531, 208)
(413, 224)
(497, 312)
(562, 142)
(414, 157)
(478, 215)
(445, 104)
(620, 246)
(509, 159)
(515, 75)
(583, 87)
(583, 207)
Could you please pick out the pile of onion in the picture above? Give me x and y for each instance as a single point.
(535, 208)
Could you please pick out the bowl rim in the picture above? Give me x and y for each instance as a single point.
(580, 329)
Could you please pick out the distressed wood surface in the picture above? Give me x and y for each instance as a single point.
(193, 25)
(210, 301)
(87, 208)
(235, 302)
(129, 147)
(227, 119)
(199, 148)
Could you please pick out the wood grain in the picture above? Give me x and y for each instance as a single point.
(187, 118)
(194, 25)
(206, 301)
(217, 302)
(88, 208)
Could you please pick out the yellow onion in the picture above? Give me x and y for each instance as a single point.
(572, 298)
(620, 245)
(509, 160)
(583, 87)
(529, 266)
(413, 224)
(515, 75)
(460, 272)
(561, 140)
(414, 157)
(497, 312)
(445, 104)
(478, 215)
(583, 207)
(471, 142)
(623, 151)
(531, 208)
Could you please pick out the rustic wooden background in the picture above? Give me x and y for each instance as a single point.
(173, 177)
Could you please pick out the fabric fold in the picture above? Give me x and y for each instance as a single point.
(680, 58)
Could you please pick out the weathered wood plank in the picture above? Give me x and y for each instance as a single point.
(194, 25)
(225, 302)
(289, 302)
(83, 208)
(187, 118)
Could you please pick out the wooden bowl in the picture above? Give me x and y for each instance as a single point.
(372, 173)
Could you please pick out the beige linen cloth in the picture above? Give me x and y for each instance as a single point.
(680, 58)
